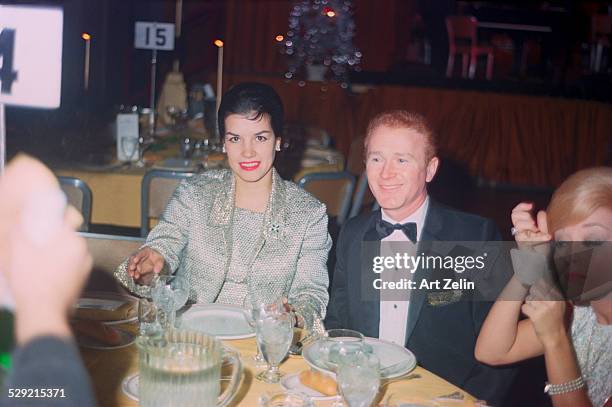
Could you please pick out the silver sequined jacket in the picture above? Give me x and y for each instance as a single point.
(195, 238)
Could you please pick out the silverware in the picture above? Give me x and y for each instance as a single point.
(296, 349)
(411, 376)
(453, 396)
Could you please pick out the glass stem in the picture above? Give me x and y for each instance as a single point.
(273, 371)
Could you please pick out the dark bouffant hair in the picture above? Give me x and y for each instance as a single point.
(254, 99)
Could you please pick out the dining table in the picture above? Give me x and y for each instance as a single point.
(108, 368)
(116, 187)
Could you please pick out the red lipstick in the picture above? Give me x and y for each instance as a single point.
(249, 165)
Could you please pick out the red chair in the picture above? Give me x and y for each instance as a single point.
(462, 40)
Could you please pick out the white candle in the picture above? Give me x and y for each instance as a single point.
(179, 17)
(87, 39)
(219, 45)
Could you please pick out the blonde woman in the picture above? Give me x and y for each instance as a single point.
(244, 231)
(578, 354)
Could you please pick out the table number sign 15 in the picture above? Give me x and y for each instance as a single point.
(158, 36)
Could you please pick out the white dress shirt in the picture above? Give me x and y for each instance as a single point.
(394, 314)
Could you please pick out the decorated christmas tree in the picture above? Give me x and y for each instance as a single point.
(321, 34)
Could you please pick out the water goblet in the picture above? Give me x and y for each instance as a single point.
(254, 304)
(274, 332)
(340, 343)
(147, 318)
(358, 379)
(164, 301)
(180, 288)
(250, 314)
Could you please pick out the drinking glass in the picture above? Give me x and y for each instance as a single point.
(180, 288)
(250, 314)
(129, 147)
(169, 293)
(340, 343)
(254, 304)
(147, 318)
(358, 379)
(274, 331)
(183, 368)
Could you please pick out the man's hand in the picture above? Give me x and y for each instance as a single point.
(46, 280)
(144, 265)
(45, 266)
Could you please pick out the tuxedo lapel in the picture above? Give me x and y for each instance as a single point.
(431, 229)
(368, 314)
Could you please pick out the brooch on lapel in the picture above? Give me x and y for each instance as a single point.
(439, 298)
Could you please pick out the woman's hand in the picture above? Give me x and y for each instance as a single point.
(546, 310)
(530, 261)
(528, 232)
(144, 265)
(299, 321)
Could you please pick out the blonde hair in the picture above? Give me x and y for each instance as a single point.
(404, 119)
(579, 196)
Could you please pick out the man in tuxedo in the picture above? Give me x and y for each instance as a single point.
(439, 326)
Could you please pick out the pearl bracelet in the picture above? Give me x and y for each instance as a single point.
(567, 387)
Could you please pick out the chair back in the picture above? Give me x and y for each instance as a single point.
(355, 161)
(461, 30)
(78, 195)
(363, 196)
(334, 189)
(156, 189)
(108, 252)
(601, 27)
(317, 137)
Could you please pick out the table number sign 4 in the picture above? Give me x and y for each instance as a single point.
(30, 56)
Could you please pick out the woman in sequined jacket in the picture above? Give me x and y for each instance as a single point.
(243, 232)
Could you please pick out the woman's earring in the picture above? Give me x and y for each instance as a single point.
(278, 147)
(223, 148)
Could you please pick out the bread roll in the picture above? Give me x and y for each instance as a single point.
(104, 334)
(125, 311)
(319, 382)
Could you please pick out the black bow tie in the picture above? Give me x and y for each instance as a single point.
(384, 229)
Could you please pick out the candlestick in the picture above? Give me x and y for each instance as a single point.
(219, 45)
(87, 39)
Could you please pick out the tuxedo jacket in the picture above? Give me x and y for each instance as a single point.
(441, 329)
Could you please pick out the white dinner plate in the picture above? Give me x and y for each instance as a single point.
(395, 360)
(222, 321)
(292, 382)
(108, 302)
(127, 338)
(129, 385)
